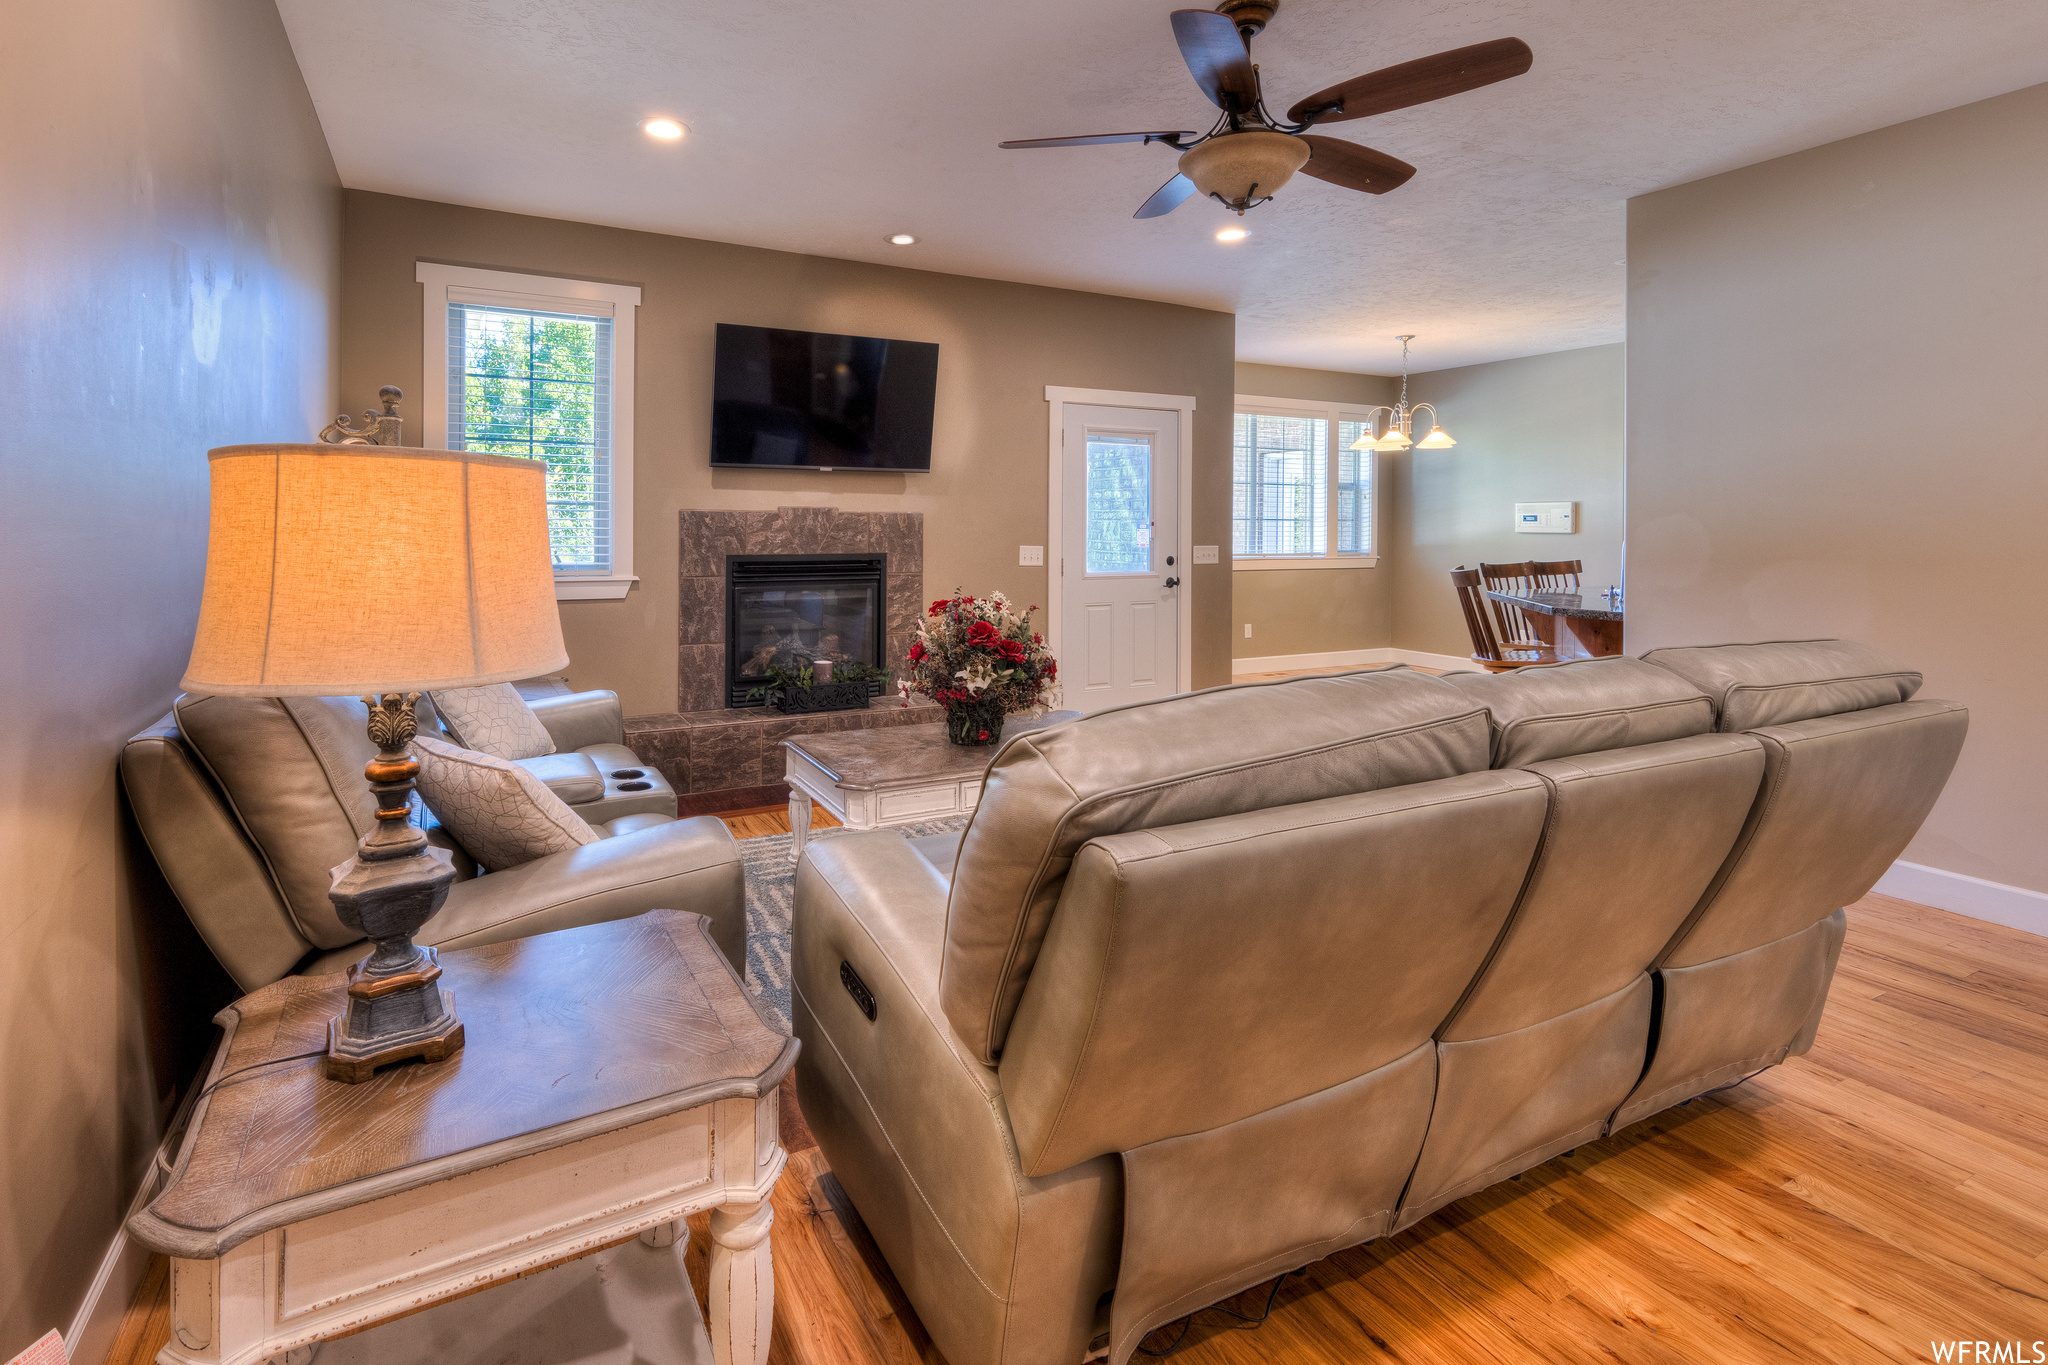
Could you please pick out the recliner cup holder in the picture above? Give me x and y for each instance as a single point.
(630, 772)
(636, 786)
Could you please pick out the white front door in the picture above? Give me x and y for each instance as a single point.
(1121, 569)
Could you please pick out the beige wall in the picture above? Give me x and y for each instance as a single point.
(1542, 428)
(1313, 611)
(1000, 345)
(169, 242)
(1836, 369)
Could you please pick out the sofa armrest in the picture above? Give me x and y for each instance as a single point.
(999, 1265)
(684, 865)
(576, 719)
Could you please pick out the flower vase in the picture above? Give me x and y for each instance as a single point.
(975, 722)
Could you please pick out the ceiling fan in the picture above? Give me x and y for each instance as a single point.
(1244, 159)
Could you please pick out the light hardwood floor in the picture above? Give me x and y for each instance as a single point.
(1312, 672)
(1884, 1192)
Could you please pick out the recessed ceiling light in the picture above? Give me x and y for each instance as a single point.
(667, 129)
(902, 239)
(1232, 234)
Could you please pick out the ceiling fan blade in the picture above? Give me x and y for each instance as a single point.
(1096, 139)
(1217, 57)
(1417, 82)
(1166, 198)
(1354, 167)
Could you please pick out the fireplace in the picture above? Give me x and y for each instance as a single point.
(790, 610)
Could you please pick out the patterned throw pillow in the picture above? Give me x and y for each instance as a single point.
(500, 812)
(493, 720)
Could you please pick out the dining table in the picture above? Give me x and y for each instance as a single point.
(1592, 625)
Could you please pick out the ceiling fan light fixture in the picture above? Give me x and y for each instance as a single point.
(667, 129)
(1438, 439)
(1242, 167)
(902, 239)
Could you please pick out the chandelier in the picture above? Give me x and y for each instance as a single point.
(1401, 419)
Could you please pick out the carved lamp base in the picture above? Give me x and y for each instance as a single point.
(392, 1019)
(390, 888)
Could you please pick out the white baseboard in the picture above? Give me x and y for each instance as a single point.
(1351, 658)
(98, 1320)
(2013, 906)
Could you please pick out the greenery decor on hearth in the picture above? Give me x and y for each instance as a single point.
(799, 692)
(979, 658)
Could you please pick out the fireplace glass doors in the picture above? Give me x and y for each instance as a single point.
(790, 610)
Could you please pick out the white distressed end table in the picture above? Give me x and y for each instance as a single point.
(616, 1078)
(895, 776)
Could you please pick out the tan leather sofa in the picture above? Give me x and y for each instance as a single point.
(248, 803)
(1215, 986)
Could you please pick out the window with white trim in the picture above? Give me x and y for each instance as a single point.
(1300, 496)
(542, 368)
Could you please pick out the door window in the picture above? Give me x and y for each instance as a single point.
(1119, 503)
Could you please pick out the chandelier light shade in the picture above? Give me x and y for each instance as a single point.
(1243, 169)
(340, 569)
(1401, 419)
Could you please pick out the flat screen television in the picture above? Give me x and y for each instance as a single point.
(810, 400)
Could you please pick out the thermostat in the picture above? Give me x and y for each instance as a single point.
(1546, 518)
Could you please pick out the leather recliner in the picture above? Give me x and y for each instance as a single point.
(1217, 985)
(248, 802)
(591, 769)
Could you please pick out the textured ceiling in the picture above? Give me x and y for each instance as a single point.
(823, 125)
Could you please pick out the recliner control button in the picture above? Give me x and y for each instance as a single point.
(858, 989)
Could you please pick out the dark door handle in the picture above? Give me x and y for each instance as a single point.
(1173, 582)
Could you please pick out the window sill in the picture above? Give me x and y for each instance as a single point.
(592, 589)
(1305, 562)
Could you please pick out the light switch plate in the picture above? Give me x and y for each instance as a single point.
(1205, 554)
(1546, 518)
(1031, 555)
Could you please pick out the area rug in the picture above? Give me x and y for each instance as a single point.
(771, 881)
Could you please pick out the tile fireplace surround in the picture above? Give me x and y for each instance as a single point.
(719, 758)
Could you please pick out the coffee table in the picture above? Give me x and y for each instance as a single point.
(873, 778)
(616, 1079)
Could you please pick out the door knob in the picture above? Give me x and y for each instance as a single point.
(1173, 582)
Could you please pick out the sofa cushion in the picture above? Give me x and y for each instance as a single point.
(499, 811)
(493, 720)
(1557, 710)
(292, 771)
(1166, 762)
(1782, 682)
(573, 777)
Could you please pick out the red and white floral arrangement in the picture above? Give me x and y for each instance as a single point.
(980, 654)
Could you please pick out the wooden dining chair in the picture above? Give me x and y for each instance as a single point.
(1488, 651)
(1516, 632)
(1556, 575)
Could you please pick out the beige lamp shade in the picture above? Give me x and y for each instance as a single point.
(335, 569)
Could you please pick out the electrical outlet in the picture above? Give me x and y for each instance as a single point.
(1247, 632)
(1031, 555)
(1205, 554)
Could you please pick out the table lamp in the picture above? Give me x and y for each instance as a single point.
(391, 571)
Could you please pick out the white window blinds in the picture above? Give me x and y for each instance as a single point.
(537, 383)
(1280, 472)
